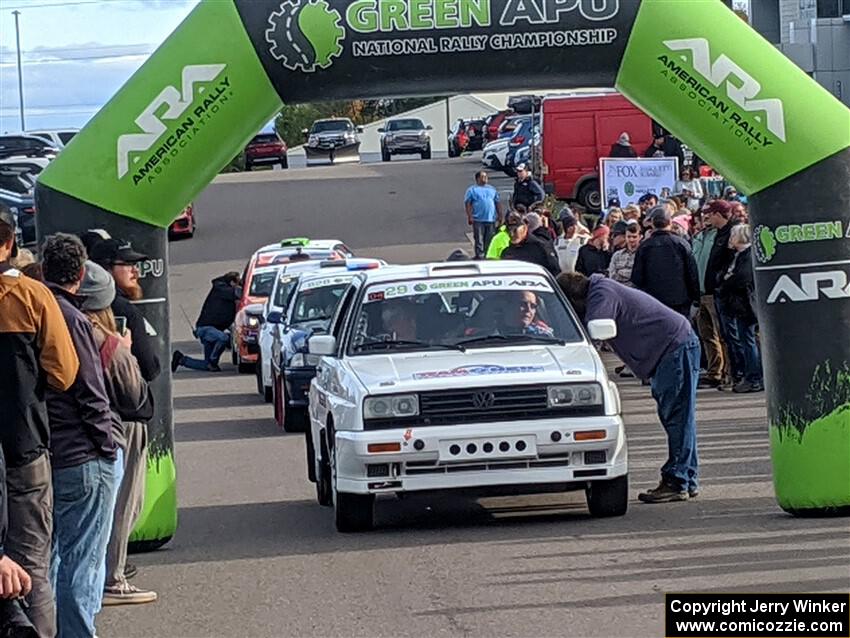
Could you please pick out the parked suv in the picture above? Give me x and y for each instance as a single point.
(265, 148)
(56, 137)
(407, 136)
(26, 146)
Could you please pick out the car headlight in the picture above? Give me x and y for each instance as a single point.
(302, 360)
(574, 394)
(391, 406)
(252, 321)
(423, 134)
(350, 137)
(313, 140)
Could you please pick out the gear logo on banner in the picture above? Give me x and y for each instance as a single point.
(305, 35)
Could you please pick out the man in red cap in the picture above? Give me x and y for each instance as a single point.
(594, 256)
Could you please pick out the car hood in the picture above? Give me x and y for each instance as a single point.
(477, 367)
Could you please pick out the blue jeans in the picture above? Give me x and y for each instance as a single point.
(674, 388)
(729, 333)
(749, 351)
(214, 342)
(83, 498)
(482, 233)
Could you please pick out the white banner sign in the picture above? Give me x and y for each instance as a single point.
(628, 179)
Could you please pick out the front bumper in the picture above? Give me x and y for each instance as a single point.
(519, 454)
(402, 147)
(322, 152)
(249, 348)
(297, 382)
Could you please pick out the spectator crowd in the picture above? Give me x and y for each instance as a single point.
(691, 253)
(75, 367)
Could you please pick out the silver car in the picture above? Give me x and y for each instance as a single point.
(405, 136)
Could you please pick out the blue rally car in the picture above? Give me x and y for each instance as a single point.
(312, 306)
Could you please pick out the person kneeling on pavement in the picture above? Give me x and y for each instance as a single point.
(217, 315)
(659, 344)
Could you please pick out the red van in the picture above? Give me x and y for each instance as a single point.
(578, 129)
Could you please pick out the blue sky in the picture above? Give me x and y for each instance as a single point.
(76, 54)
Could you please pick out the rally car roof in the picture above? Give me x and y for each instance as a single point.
(451, 269)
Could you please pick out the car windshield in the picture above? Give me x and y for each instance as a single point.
(261, 283)
(330, 126)
(317, 300)
(285, 287)
(405, 125)
(66, 136)
(461, 313)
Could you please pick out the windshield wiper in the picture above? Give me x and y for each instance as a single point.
(384, 345)
(504, 339)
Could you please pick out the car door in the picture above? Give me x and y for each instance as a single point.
(329, 373)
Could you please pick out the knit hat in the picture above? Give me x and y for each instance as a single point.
(619, 228)
(97, 288)
(719, 206)
(624, 139)
(602, 231)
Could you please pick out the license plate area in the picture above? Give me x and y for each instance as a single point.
(495, 448)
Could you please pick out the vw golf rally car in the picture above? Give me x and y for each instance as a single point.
(461, 376)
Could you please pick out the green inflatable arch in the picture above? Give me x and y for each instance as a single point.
(693, 65)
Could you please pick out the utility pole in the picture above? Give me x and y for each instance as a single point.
(16, 13)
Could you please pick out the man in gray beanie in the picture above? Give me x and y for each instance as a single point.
(129, 397)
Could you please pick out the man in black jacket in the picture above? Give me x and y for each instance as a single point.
(665, 146)
(594, 257)
(526, 247)
(665, 267)
(82, 451)
(720, 214)
(122, 262)
(527, 190)
(216, 316)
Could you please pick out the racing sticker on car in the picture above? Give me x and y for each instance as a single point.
(426, 286)
(477, 370)
(324, 283)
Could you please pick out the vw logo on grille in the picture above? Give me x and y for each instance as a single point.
(483, 400)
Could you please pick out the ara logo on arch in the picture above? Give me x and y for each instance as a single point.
(811, 286)
(741, 87)
(176, 120)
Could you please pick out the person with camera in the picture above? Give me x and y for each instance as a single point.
(131, 401)
(217, 315)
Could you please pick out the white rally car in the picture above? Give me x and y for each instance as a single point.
(461, 376)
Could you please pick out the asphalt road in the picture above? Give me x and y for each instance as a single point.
(255, 555)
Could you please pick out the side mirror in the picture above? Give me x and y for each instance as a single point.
(275, 317)
(602, 329)
(322, 345)
(359, 129)
(382, 130)
(429, 128)
(304, 131)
